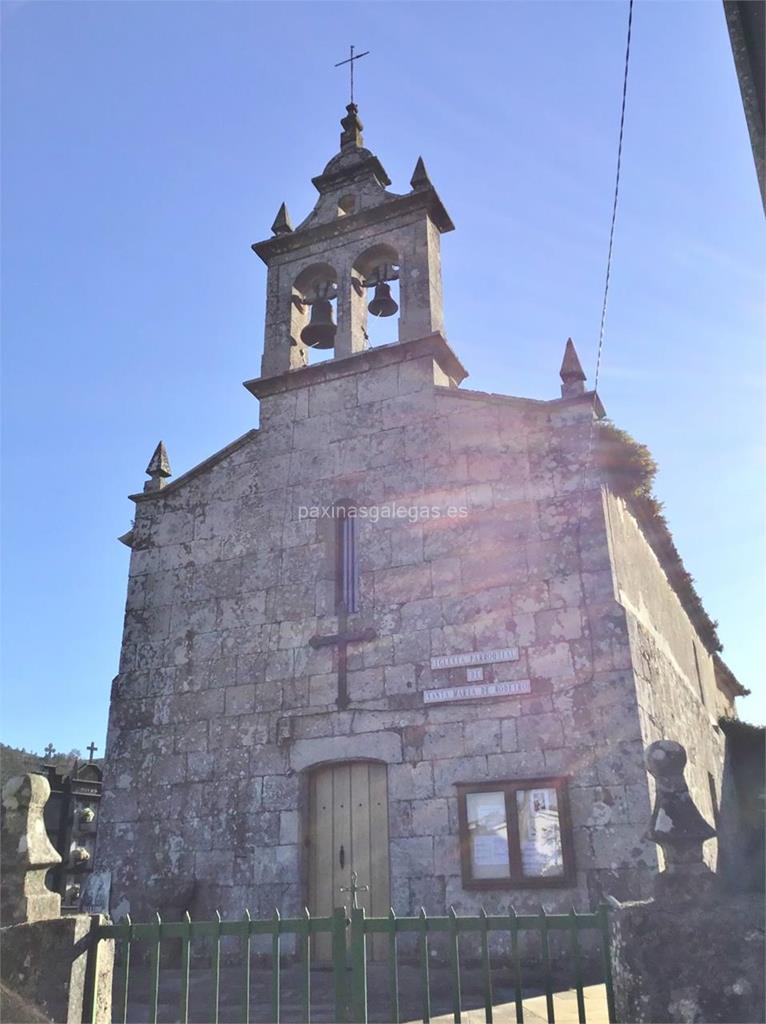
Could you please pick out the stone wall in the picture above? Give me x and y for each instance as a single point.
(221, 706)
(676, 687)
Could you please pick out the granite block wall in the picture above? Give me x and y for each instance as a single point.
(678, 698)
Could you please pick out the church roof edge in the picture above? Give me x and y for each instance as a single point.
(725, 675)
(586, 398)
(207, 463)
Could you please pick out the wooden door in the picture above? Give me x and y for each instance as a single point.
(348, 831)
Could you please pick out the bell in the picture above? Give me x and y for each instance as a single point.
(319, 332)
(382, 304)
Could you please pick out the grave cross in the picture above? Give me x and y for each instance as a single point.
(350, 61)
(92, 749)
(49, 750)
(341, 640)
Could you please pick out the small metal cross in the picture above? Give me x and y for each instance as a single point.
(92, 749)
(49, 750)
(354, 889)
(350, 61)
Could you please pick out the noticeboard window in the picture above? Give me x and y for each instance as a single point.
(515, 833)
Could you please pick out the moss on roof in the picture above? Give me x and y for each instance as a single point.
(629, 470)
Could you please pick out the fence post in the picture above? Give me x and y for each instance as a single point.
(339, 923)
(358, 967)
(99, 969)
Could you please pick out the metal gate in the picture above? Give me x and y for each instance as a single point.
(231, 994)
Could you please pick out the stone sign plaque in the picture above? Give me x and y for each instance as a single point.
(448, 693)
(475, 658)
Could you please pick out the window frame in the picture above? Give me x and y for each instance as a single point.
(516, 879)
(347, 576)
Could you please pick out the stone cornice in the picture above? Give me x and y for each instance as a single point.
(369, 167)
(426, 199)
(433, 345)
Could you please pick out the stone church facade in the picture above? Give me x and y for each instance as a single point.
(403, 628)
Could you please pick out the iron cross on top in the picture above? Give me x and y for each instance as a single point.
(350, 61)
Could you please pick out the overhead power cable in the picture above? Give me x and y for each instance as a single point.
(601, 336)
(602, 327)
(610, 251)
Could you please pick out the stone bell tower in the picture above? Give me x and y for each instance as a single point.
(358, 238)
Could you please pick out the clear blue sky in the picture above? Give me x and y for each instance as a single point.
(146, 145)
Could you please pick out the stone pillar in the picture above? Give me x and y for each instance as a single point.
(420, 283)
(692, 953)
(51, 967)
(27, 853)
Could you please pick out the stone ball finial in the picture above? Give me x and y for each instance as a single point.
(666, 761)
(27, 853)
(676, 825)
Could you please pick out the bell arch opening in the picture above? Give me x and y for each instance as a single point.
(376, 282)
(314, 316)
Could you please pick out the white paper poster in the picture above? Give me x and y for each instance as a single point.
(539, 832)
(490, 850)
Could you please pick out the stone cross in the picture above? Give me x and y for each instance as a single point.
(676, 825)
(354, 889)
(50, 750)
(92, 749)
(27, 853)
(341, 640)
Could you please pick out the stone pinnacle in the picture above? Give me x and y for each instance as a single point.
(282, 224)
(158, 468)
(420, 177)
(571, 372)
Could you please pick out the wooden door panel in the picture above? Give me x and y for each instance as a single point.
(348, 831)
(341, 852)
(379, 879)
(320, 850)
(360, 829)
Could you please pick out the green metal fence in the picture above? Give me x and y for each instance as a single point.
(349, 937)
